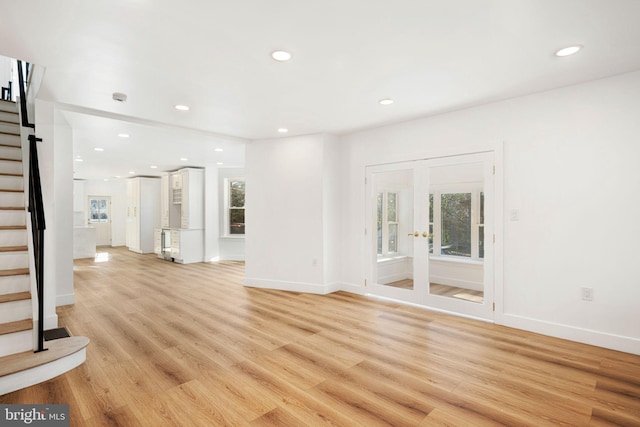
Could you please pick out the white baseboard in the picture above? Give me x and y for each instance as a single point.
(572, 333)
(311, 288)
(66, 299)
(231, 258)
(352, 288)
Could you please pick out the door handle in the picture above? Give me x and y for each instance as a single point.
(416, 234)
(424, 234)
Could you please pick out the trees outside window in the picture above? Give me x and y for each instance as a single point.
(456, 224)
(235, 207)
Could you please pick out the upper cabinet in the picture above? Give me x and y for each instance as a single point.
(183, 199)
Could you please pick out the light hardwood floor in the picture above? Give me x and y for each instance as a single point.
(187, 345)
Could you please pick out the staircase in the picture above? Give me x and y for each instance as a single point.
(20, 365)
(16, 324)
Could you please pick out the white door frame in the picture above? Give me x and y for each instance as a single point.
(492, 308)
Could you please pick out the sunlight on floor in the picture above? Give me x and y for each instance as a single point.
(102, 257)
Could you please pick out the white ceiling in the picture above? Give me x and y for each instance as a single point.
(429, 56)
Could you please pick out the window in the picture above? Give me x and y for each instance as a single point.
(235, 207)
(456, 224)
(387, 213)
(98, 210)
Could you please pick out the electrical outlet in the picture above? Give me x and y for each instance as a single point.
(514, 215)
(587, 294)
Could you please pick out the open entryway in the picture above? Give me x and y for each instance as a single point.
(432, 227)
(99, 213)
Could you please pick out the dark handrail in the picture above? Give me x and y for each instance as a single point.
(23, 96)
(36, 208)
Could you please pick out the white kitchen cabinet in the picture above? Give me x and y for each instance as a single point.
(192, 191)
(164, 200)
(187, 246)
(143, 213)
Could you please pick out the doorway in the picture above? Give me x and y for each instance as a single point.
(431, 221)
(99, 209)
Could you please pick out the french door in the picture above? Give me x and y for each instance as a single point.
(430, 233)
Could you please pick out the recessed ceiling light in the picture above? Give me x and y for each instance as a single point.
(219, 150)
(283, 130)
(219, 163)
(79, 160)
(385, 101)
(153, 167)
(184, 159)
(117, 176)
(182, 107)
(281, 55)
(131, 173)
(123, 135)
(106, 179)
(99, 149)
(569, 50)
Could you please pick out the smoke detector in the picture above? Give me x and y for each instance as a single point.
(120, 97)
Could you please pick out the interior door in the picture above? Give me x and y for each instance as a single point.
(100, 218)
(428, 224)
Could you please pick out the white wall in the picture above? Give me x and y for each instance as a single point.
(56, 169)
(285, 214)
(570, 168)
(231, 248)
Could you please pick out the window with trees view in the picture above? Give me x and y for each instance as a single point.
(456, 224)
(235, 206)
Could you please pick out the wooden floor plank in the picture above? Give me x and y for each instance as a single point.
(179, 344)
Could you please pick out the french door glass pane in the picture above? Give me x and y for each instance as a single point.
(456, 224)
(393, 238)
(379, 222)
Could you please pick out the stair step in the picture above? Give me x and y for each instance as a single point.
(14, 272)
(12, 208)
(12, 217)
(10, 128)
(18, 326)
(16, 306)
(10, 153)
(14, 237)
(11, 166)
(18, 296)
(13, 284)
(14, 260)
(9, 106)
(9, 182)
(9, 117)
(10, 139)
(13, 248)
(57, 349)
(11, 198)
(12, 227)
(16, 342)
